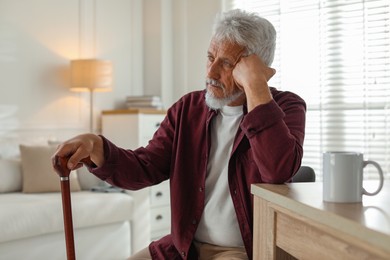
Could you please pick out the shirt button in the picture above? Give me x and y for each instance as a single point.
(235, 192)
(194, 221)
(183, 254)
(200, 189)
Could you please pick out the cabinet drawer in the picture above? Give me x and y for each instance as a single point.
(159, 195)
(160, 218)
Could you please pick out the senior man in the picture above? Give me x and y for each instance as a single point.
(212, 145)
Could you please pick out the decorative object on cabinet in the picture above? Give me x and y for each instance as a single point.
(90, 75)
(130, 129)
(153, 102)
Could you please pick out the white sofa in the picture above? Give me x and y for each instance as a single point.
(110, 225)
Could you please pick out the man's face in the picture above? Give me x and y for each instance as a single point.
(220, 85)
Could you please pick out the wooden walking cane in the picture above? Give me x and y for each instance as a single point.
(63, 171)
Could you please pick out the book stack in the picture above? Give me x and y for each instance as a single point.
(144, 102)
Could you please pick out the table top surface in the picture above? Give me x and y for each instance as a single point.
(369, 219)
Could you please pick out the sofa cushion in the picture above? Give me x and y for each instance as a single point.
(10, 175)
(27, 215)
(87, 180)
(38, 172)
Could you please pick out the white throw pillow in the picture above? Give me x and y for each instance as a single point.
(38, 173)
(86, 179)
(10, 175)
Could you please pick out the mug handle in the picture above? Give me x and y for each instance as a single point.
(378, 167)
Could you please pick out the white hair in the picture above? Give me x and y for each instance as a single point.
(248, 30)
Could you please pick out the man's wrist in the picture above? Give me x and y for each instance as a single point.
(258, 97)
(97, 154)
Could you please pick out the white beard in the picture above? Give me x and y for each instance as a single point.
(217, 103)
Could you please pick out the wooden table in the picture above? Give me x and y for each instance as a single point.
(291, 221)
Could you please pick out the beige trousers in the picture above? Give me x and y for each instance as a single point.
(205, 252)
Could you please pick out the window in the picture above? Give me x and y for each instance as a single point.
(336, 55)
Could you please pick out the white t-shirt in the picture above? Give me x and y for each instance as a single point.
(218, 224)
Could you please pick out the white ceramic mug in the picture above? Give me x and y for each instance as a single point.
(343, 177)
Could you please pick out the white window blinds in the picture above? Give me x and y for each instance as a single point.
(336, 55)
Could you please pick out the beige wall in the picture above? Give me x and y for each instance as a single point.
(157, 47)
(176, 50)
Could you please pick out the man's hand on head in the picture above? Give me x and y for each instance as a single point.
(252, 74)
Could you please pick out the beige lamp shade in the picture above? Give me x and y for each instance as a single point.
(90, 75)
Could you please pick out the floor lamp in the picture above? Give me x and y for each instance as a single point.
(93, 76)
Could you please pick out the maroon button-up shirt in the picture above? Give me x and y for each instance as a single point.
(267, 148)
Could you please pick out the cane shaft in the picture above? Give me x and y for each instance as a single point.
(68, 223)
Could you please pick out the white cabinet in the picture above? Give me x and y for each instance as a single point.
(130, 129)
(160, 210)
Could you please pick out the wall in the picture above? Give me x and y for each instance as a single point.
(176, 51)
(157, 47)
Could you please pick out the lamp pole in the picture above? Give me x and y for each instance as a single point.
(91, 75)
(91, 110)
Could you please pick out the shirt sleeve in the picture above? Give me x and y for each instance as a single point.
(276, 133)
(139, 168)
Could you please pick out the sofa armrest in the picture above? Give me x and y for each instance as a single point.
(140, 222)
